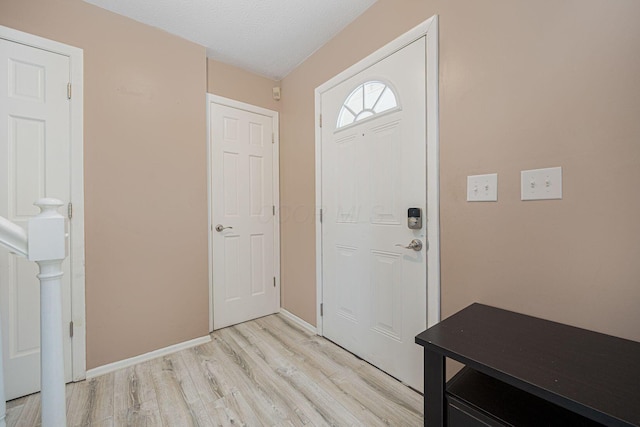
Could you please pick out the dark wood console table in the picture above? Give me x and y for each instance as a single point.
(519, 367)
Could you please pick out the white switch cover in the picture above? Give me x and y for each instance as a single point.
(482, 188)
(541, 184)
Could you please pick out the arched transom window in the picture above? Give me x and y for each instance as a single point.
(366, 101)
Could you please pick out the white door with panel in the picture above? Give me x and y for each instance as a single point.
(374, 279)
(243, 215)
(34, 163)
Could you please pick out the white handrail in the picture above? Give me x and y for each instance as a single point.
(13, 237)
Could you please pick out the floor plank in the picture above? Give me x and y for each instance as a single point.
(91, 402)
(266, 372)
(14, 410)
(30, 415)
(178, 400)
(309, 403)
(135, 401)
(268, 403)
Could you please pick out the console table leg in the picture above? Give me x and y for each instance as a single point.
(435, 414)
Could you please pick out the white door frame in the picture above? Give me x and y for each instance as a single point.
(276, 185)
(428, 28)
(76, 244)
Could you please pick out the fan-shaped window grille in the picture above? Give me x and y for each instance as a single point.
(365, 101)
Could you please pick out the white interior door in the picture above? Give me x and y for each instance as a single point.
(374, 292)
(34, 163)
(243, 234)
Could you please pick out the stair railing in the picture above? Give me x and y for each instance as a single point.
(44, 242)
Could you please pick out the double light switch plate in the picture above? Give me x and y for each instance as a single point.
(482, 188)
(541, 184)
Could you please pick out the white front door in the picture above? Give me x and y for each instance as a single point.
(34, 163)
(373, 172)
(244, 225)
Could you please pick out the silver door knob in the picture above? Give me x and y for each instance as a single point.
(220, 227)
(415, 244)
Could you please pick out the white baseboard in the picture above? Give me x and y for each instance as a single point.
(111, 367)
(298, 321)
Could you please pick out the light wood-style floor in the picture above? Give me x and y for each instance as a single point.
(267, 372)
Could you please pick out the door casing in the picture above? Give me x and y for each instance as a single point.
(428, 29)
(76, 225)
(276, 185)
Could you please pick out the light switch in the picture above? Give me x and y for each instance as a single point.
(482, 188)
(541, 184)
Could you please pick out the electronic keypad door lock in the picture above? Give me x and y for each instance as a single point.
(414, 218)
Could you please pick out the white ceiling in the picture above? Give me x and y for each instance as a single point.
(267, 37)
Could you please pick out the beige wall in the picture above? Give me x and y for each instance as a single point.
(145, 176)
(523, 85)
(236, 83)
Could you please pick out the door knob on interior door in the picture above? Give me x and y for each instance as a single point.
(415, 244)
(220, 227)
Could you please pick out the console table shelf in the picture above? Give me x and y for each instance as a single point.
(581, 373)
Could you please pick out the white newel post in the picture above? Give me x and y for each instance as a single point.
(47, 247)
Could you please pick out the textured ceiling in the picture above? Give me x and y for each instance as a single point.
(267, 37)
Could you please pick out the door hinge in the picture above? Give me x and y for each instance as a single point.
(274, 282)
(321, 309)
(71, 329)
(320, 215)
(274, 210)
(320, 120)
(273, 139)
(68, 90)
(70, 210)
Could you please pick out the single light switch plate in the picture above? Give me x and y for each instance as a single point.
(482, 188)
(541, 184)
